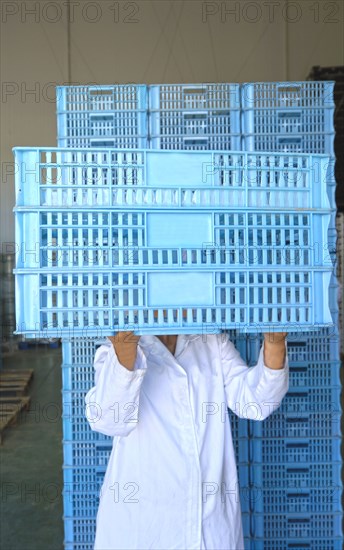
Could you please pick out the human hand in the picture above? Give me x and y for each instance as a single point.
(125, 344)
(274, 349)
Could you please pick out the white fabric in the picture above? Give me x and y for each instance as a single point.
(171, 481)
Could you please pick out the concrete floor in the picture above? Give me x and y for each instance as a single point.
(31, 459)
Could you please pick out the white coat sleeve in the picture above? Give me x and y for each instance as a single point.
(252, 392)
(112, 405)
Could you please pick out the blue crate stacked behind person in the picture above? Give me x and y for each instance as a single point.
(295, 453)
(102, 116)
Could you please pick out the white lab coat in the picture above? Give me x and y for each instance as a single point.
(171, 481)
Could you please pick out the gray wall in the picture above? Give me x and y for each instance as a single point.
(59, 42)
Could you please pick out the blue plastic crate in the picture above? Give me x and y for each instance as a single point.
(76, 428)
(318, 347)
(309, 543)
(195, 116)
(78, 351)
(312, 399)
(298, 526)
(79, 533)
(80, 504)
(73, 403)
(298, 500)
(78, 377)
(295, 450)
(108, 266)
(288, 116)
(88, 454)
(139, 178)
(304, 425)
(302, 475)
(246, 527)
(313, 373)
(83, 479)
(102, 116)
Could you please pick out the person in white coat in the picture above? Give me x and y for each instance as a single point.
(171, 481)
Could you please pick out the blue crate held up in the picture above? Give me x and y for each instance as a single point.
(119, 178)
(195, 116)
(288, 116)
(116, 228)
(102, 116)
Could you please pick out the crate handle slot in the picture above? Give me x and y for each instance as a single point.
(298, 520)
(297, 445)
(297, 470)
(198, 116)
(100, 92)
(293, 114)
(195, 141)
(289, 141)
(102, 143)
(298, 369)
(102, 118)
(288, 89)
(193, 91)
(298, 545)
(298, 495)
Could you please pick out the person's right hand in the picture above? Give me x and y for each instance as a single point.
(125, 344)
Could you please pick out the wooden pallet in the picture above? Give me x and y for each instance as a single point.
(10, 408)
(15, 381)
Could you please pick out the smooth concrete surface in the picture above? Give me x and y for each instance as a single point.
(31, 459)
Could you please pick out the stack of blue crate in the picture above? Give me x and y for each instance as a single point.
(97, 198)
(91, 117)
(295, 454)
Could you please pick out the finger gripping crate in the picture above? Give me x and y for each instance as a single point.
(288, 116)
(102, 116)
(164, 241)
(194, 116)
